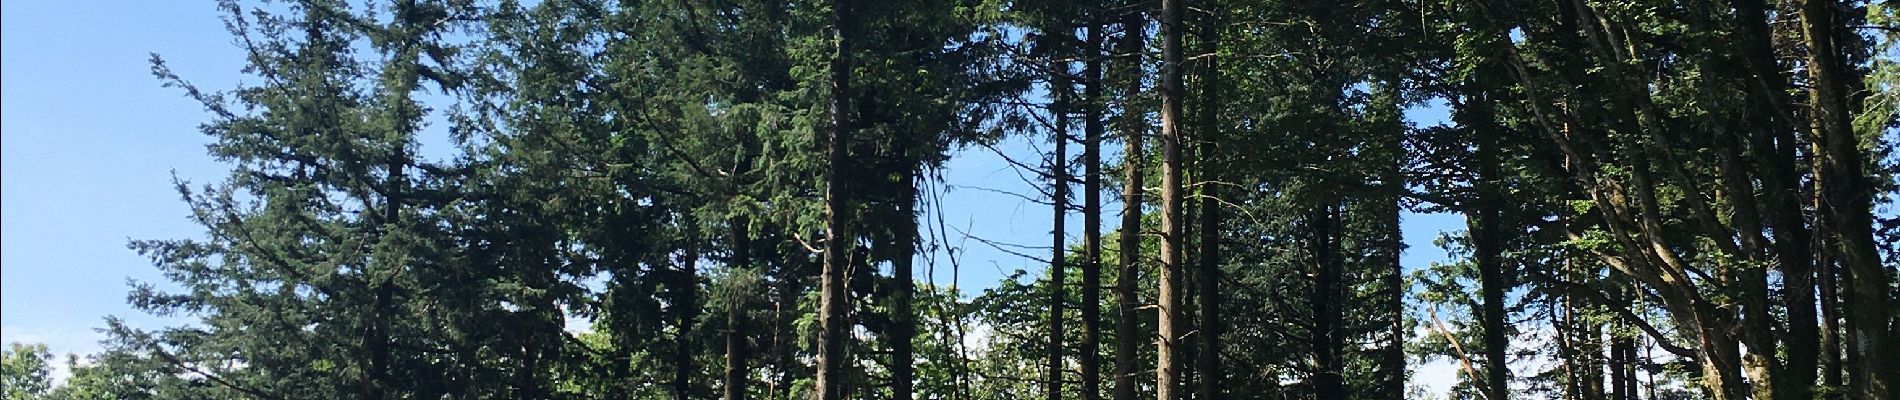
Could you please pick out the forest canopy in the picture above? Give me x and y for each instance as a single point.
(732, 199)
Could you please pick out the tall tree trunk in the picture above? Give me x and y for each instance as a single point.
(1832, 369)
(1579, 347)
(904, 331)
(377, 340)
(1623, 360)
(786, 295)
(1622, 379)
(833, 299)
(1128, 299)
(738, 353)
(1847, 202)
(1208, 372)
(1187, 323)
(787, 290)
(686, 310)
(1750, 283)
(1485, 230)
(1563, 326)
(1167, 367)
(1394, 352)
(1587, 336)
(1059, 182)
(1391, 207)
(1328, 381)
(1649, 358)
(526, 385)
(1773, 147)
(1593, 356)
(1092, 128)
(1491, 279)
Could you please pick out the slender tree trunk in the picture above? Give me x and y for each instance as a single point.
(1187, 323)
(1773, 146)
(1167, 367)
(377, 340)
(1847, 203)
(1058, 278)
(1563, 324)
(1128, 299)
(1491, 276)
(1392, 206)
(1622, 383)
(1795, 258)
(787, 289)
(1835, 281)
(1394, 351)
(904, 331)
(1092, 129)
(1593, 353)
(1486, 248)
(1579, 350)
(738, 353)
(1393, 359)
(1328, 380)
(833, 297)
(686, 311)
(786, 296)
(1649, 357)
(1769, 377)
(526, 384)
(1588, 336)
(1831, 365)
(1209, 373)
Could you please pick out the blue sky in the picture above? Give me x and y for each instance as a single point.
(89, 142)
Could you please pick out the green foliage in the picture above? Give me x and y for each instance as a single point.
(25, 371)
(632, 197)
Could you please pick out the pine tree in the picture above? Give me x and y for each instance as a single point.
(1128, 300)
(327, 235)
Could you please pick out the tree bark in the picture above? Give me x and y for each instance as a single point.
(904, 331)
(1750, 283)
(1587, 337)
(738, 351)
(1393, 357)
(1392, 206)
(1059, 183)
(1847, 197)
(1167, 367)
(1092, 130)
(1128, 299)
(833, 301)
(1328, 381)
(1622, 373)
(1832, 369)
(1492, 282)
(686, 298)
(377, 341)
(1774, 152)
(1486, 241)
(1209, 373)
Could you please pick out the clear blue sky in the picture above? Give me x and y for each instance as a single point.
(90, 141)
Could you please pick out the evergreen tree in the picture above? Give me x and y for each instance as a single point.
(700, 198)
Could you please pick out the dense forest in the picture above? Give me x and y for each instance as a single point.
(732, 199)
